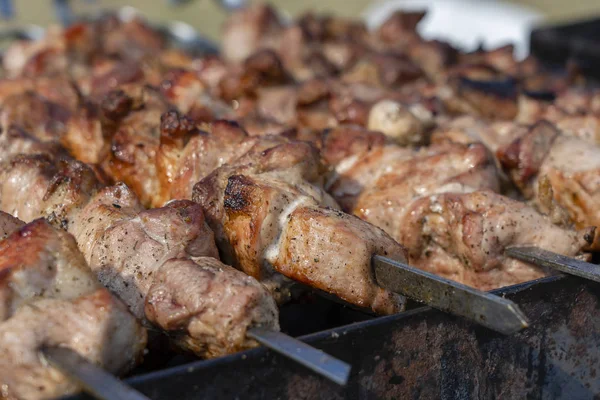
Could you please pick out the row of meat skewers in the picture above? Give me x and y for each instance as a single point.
(122, 157)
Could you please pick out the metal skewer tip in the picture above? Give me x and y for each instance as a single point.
(548, 259)
(93, 379)
(489, 310)
(314, 359)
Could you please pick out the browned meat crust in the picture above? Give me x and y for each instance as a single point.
(49, 297)
(270, 214)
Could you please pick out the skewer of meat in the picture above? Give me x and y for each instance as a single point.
(162, 262)
(271, 217)
(440, 202)
(538, 159)
(68, 193)
(293, 176)
(50, 298)
(559, 172)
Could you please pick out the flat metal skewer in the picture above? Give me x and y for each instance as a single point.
(548, 259)
(489, 310)
(93, 379)
(314, 359)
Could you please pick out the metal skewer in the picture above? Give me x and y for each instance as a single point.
(93, 380)
(487, 309)
(548, 259)
(314, 359)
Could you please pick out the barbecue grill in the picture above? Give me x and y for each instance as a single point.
(420, 353)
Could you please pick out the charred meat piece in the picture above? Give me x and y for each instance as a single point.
(190, 91)
(35, 114)
(384, 69)
(60, 90)
(439, 202)
(187, 154)
(15, 141)
(134, 145)
(271, 216)
(462, 236)
(480, 90)
(130, 250)
(41, 261)
(37, 186)
(546, 164)
(162, 263)
(95, 325)
(261, 69)
(49, 297)
(34, 186)
(8, 224)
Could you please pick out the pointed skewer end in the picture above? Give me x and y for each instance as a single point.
(314, 359)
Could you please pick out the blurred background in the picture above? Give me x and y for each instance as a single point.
(206, 15)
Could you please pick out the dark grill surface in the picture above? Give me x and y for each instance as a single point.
(423, 354)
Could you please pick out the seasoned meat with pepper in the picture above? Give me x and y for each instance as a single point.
(96, 325)
(187, 154)
(8, 224)
(271, 216)
(462, 236)
(439, 202)
(41, 261)
(34, 186)
(164, 264)
(130, 249)
(135, 143)
(545, 163)
(50, 297)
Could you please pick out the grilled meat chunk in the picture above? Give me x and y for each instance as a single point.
(15, 141)
(49, 297)
(95, 325)
(125, 244)
(8, 224)
(134, 146)
(128, 247)
(188, 154)
(164, 264)
(439, 202)
(567, 166)
(209, 306)
(41, 261)
(376, 178)
(34, 186)
(35, 114)
(271, 215)
(433, 170)
(358, 157)
(462, 236)
(468, 129)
